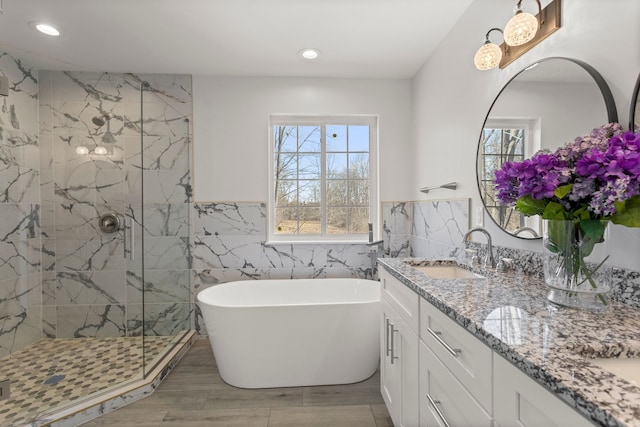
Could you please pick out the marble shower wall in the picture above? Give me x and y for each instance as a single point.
(425, 229)
(90, 288)
(20, 209)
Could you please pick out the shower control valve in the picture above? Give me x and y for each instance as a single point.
(109, 223)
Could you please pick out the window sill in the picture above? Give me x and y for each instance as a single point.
(315, 242)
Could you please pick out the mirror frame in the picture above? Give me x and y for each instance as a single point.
(610, 105)
(634, 105)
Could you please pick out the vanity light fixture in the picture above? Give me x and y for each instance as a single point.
(522, 27)
(47, 29)
(522, 36)
(309, 54)
(489, 54)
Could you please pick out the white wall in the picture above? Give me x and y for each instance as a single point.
(231, 116)
(451, 98)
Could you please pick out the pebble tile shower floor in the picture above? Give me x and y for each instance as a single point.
(51, 373)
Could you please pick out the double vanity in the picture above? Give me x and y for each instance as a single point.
(463, 346)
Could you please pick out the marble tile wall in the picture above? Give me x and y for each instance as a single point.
(426, 229)
(91, 286)
(20, 208)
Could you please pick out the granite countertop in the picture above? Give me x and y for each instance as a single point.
(509, 312)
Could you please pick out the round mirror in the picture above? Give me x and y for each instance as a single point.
(546, 105)
(634, 112)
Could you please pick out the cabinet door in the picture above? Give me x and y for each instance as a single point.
(520, 401)
(389, 369)
(443, 400)
(399, 368)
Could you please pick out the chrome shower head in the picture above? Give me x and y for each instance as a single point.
(101, 119)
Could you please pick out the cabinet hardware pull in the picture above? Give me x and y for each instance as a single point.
(387, 336)
(453, 351)
(393, 344)
(435, 407)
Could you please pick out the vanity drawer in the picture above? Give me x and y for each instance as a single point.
(401, 298)
(468, 359)
(443, 400)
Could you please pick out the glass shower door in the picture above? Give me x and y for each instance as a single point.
(162, 239)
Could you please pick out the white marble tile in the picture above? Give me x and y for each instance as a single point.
(280, 255)
(90, 287)
(76, 321)
(229, 219)
(160, 286)
(227, 252)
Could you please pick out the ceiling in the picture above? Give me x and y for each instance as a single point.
(357, 38)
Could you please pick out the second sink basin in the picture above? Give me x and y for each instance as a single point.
(627, 369)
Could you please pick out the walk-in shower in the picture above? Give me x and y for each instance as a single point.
(87, 307)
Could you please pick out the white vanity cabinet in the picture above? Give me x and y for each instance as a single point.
(433, 372)
(399, 351)
(520, 401)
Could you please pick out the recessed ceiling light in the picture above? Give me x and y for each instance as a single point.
(45, 28)
(309, 53)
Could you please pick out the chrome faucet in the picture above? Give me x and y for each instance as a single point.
(489, 260)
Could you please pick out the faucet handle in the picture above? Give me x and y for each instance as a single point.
(505, 264)
(473, 254)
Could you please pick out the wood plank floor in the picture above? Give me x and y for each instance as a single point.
(194, 395)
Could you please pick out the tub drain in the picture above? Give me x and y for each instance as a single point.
(54, 379)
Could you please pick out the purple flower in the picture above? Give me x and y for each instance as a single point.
(603, 168)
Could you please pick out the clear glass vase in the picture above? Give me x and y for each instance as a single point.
(575, 263)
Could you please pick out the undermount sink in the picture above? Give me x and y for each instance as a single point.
(627, 369)
(444, 270)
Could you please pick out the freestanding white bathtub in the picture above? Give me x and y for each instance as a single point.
(287, 333)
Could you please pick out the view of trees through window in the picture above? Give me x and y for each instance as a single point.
(321, 179)
(500, 145)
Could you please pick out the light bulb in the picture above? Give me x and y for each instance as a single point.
(82, 150)
(100, 150)
(520, 29)
(488, 56)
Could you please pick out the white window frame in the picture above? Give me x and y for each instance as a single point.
(323, 120)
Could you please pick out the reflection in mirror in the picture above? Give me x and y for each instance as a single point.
(634, 112)
(544, 106)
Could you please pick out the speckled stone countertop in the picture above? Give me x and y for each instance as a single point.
(509, 312)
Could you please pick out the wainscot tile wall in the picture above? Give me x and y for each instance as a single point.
(425, 229)
(20, 208)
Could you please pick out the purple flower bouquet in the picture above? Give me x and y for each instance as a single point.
(594, 180)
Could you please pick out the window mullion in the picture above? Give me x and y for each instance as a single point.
(323, 178)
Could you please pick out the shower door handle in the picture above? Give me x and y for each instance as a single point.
(129, 234)
(132, 239)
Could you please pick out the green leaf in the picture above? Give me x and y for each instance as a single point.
(629, 216)
(529, 206)
(581, 214)
(554, 210)
(592, 231)
(562, 191)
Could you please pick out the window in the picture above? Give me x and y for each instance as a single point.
(322, 177)
(505, 140)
